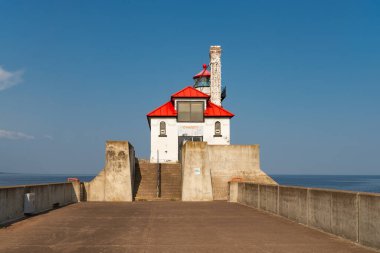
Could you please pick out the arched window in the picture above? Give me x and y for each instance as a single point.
(162, 129)
(218, 129)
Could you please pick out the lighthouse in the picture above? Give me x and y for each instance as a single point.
(194, 113)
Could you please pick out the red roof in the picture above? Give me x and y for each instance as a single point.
(203, 73)
(190, 92)
(213, 110)
(165, 110)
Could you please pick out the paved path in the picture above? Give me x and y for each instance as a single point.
(165, 227)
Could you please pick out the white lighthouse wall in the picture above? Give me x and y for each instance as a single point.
(166, 148)
(209, 131)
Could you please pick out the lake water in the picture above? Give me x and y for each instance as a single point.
(10, 179)
(363, 183)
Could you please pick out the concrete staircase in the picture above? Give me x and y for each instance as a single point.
(171, 181)
(145, 185)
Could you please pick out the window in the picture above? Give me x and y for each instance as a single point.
(190, 111)
(218, 129)
(162, 129)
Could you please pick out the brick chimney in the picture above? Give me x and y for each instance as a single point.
(216, 74)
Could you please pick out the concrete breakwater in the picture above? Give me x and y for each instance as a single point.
(351, 215)
(47, 197)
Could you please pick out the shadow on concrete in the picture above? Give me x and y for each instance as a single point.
(137, 179)
(27, 216)
(83, 192)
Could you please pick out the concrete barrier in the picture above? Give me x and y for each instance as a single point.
(115, 181)
(233, 193)
(241, 193)
(11, 203)
(369, 220)
(334, 212)
(293, 203)
(47, 196)
(251, 195)
(268, 197)
(351, 215)
(207, 169)
(196, 184)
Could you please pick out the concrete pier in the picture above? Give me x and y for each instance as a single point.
(165, 227)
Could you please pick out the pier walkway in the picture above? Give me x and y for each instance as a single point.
(165, 227)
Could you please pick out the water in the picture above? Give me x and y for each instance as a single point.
(361, 183)
(11, 179)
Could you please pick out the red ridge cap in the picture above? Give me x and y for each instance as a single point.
(189, 92)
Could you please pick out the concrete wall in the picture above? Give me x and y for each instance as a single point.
(293, 203)
(351, 215)
(115, 181)
(369, 220)
(196, 176)
(224, 163)
(46, 195)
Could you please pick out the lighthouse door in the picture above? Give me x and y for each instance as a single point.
(183, 139)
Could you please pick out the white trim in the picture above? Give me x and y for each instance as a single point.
(204, 100)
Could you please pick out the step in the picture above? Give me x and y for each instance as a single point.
(146, 181)
(156, 199)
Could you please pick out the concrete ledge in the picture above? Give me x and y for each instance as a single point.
(369, 220)
(293, 203)
(207, 169)
(268, 197)
(351, 215)
(46, 195)
(250, 196)
(334, 212)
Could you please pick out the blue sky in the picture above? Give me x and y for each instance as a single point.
(303, 79)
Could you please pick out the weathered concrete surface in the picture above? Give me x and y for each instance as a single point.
(351, 215)
(115, 181)
(165, 227)
(223, 163)
(234, 161)
(251, 195)
(11, 203)
(369, 220)
(196, 180)
(46, 195)
(334, 212)
(320, 209)
(344, 214)
(293, 203)
(268, 198)
(234, 191)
